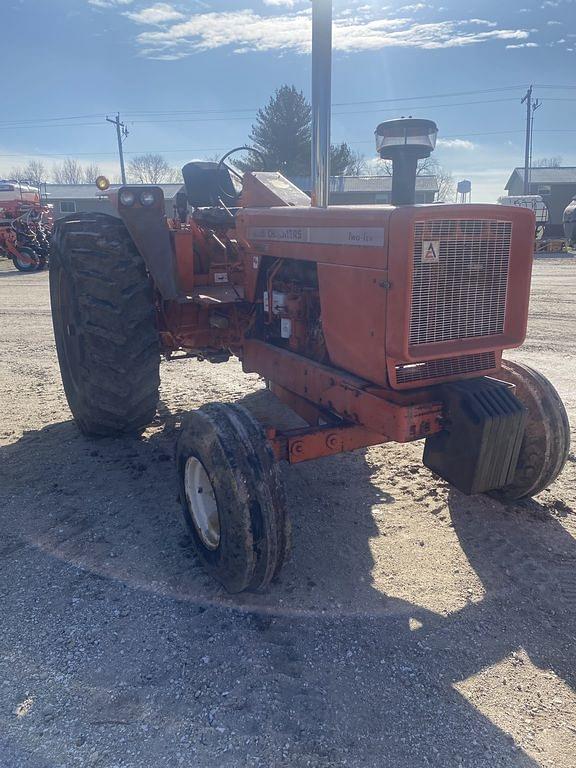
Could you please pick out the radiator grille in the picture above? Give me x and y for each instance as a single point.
(461, 294)
(439, 369)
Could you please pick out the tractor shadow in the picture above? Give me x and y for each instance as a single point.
(376, 668)
(111, 506)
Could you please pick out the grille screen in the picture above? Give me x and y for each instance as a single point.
(438, 369)
(459, 285)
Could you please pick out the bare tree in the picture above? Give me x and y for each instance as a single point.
(446, 184)
(16, 173)
(548, 162)
(381, 167)
(356, 165)
(36, 172)
(68, 172)
(91, 173)
(360, 165)
(150, 169)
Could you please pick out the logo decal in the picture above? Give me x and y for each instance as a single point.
(365, 237)
(430, 251)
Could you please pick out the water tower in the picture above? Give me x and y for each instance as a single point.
(464, 191)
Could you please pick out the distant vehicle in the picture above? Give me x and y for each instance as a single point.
(569, 220)
(533, 203)
(12, 192)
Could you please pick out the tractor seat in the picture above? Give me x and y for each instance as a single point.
(205, 182)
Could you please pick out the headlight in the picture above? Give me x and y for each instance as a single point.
(147, 198)
(127, 197)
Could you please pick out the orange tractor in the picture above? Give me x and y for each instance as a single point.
(373, 323)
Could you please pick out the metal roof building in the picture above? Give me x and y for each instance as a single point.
(557, 186)
(359, 190)
(344, 190)
(76, 198)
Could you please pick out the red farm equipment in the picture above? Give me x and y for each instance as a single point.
(25, 226)
(373, 323)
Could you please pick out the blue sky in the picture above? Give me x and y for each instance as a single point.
(188, 76)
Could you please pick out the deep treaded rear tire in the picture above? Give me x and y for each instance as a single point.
(104, 325)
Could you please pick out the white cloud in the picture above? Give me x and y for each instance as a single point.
(483, 22)
(246, 30)
(414, 8)
(155, 14)
(287, 3)
(456, 144)
(109, 3)
(523, 45)
(554, 23)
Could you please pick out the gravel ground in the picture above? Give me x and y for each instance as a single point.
(412, 627)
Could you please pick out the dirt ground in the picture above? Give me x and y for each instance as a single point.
(412, 627)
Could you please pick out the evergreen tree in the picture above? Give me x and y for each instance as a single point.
(282, 134)
(342, 160)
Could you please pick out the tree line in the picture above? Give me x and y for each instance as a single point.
(149, 168)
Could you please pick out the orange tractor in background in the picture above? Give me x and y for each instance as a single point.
(373, 323)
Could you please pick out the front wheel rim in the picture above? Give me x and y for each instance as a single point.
(201, 502)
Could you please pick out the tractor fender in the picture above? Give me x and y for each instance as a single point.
(149, 230)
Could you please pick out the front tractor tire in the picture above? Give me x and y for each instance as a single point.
(546, 442)
(104, 325)
(27, 260)
(232, 497)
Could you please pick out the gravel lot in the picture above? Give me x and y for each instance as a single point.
(412, 627)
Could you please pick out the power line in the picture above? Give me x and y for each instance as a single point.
(463, 136)
(39, 126)
(113, 154)
(50, 119)
(227, 119)
(428, 106)
(229, 111)
(432, 96)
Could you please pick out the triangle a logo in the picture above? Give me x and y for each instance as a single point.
(430, 251)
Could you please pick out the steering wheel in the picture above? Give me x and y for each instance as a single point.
(233, 172)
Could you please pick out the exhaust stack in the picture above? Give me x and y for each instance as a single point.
(405, 141)
(321, 100)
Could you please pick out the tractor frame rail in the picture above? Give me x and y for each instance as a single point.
(371, 414)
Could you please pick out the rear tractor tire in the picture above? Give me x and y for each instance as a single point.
(104, 325)
(546, 442)
(232, 497)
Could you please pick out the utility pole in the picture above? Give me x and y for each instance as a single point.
(535, 105)
(528, 100)
(121, 134)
